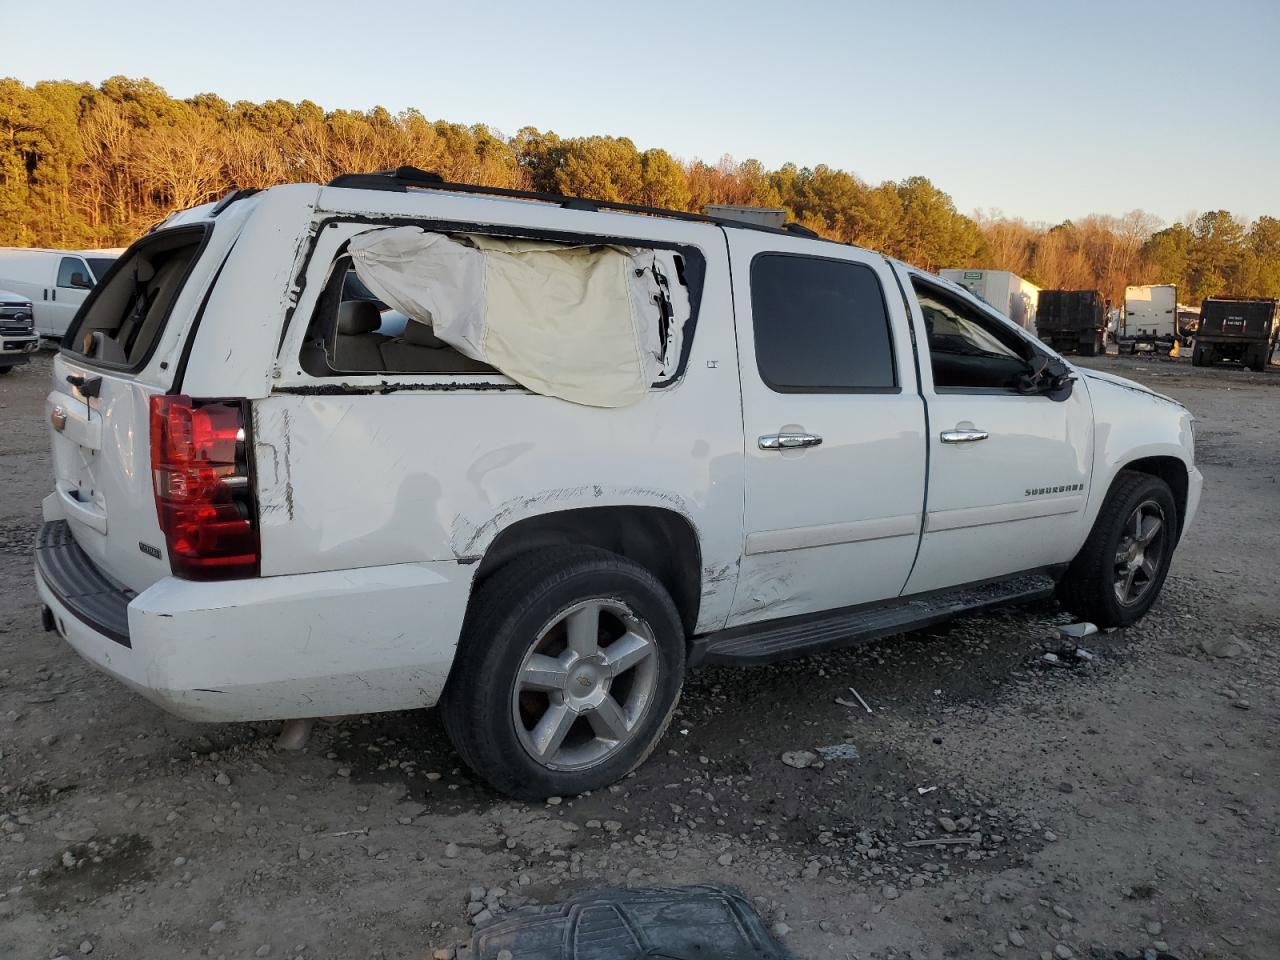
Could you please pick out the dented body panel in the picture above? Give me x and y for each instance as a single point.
(379, 497)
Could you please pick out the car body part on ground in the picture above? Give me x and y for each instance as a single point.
(666, 923)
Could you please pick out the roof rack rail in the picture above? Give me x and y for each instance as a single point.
(402, 179)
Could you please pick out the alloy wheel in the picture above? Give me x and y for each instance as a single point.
(585, 684)
(1140, 552)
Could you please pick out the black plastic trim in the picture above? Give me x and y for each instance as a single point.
(770, 641)
(91, 596)
(185, 356)
(402, 179)
(231, 198)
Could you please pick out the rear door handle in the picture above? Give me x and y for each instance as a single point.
(788, 441)
(963, 435)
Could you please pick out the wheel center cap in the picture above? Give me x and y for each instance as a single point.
(586, 683)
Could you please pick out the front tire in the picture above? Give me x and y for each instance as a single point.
(569, 667)
(1118, 573)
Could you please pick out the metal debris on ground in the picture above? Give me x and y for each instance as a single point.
(923, 790)
(839, 751)
(676, 923)
(1077, 631)
(1067, 657)
(866, 706)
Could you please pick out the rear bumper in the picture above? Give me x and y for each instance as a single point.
(306, 645)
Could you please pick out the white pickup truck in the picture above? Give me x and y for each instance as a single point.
(378, 444)
(18, 338)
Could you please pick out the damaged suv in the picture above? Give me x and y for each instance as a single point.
(393, 442)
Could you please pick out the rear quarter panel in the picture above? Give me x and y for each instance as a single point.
(350, 479)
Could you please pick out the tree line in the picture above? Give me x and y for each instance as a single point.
(95, 166)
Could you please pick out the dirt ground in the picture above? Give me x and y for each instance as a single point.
(1118, 804)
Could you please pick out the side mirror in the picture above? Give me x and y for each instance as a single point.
(81, 281)
(1045, 374)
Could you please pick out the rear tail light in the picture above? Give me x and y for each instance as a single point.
(204, 498)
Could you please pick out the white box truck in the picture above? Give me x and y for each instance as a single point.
(1150, 320)
(1007, 292)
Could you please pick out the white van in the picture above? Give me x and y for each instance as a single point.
(55, 281)
(394, 442)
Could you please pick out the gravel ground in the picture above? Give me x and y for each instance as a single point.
(1123, 803)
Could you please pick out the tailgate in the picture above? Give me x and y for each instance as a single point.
(102, 470)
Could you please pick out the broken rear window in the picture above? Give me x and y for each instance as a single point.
(591, 323)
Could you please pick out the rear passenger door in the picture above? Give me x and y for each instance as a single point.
(835, 427)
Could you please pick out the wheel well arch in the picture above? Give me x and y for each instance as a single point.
(662, 541)
(1173, 472)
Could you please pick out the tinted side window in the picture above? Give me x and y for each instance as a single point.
(69, 267)
(820, 325)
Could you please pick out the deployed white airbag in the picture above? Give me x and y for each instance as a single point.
(576, 322)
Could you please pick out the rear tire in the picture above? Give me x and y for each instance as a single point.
(1197, 357)
(1114, 580)
(569, 667)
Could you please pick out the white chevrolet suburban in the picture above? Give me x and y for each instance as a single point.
(393, 442)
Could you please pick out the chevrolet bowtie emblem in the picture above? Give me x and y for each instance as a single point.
(59, 419)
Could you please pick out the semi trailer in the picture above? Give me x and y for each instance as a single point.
(1007, 292)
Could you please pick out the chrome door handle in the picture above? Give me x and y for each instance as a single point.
(789, 441)
(963, 435)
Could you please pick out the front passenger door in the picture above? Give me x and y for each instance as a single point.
(1008, 472)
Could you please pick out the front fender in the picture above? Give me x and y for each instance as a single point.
(1132, 424)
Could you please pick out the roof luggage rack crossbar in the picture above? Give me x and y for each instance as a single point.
(402, 179)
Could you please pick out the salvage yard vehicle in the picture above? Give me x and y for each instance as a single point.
(1073, 321)
(1149, 322)
(1012, 296)
(393, 442)
(1239, 329)
(17, 333)
(55, 281)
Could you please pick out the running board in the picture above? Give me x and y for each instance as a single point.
(774, 640)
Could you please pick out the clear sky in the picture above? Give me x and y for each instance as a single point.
(1043, 110)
